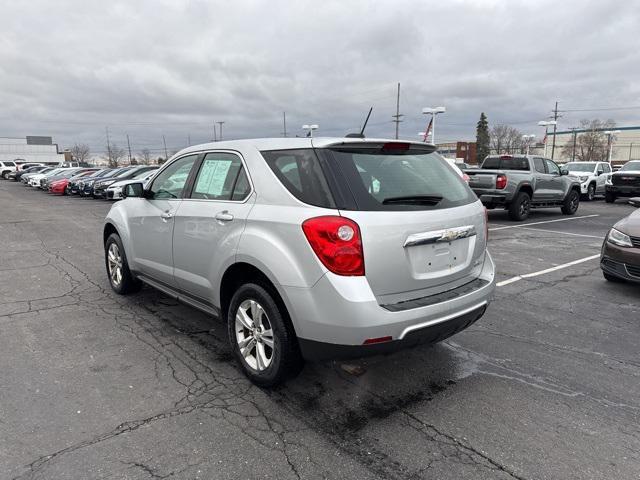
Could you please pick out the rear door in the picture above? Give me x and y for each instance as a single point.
(151, 220)
(544, 187)
(556, 185)
(422, 227)
(209, 222)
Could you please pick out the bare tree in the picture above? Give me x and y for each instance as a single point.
(115, 154)
(591, 145)
(80, 153)
(145, 157)
(505, 139)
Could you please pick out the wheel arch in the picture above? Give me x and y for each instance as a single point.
(524, 187)
(243, 272)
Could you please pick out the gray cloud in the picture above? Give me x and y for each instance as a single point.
(70, 68)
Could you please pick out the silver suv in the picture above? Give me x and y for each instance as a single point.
(308, 248)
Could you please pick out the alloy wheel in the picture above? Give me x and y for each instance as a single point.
(254, 335)
(114, 261)
(524, 208)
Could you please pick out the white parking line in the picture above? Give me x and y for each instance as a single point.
(601, 237)
(540, 223)
(547, 270)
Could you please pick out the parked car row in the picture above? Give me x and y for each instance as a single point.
(84, 181)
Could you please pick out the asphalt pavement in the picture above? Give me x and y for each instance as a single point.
(93, 385)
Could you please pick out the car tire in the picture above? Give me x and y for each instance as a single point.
(571, 203)
(520, 208)
(120, 277)
(612, 278)
(265, 365)
(609, 197)
(5, 175)
(591, 192)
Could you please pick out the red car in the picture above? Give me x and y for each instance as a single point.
(59, 187)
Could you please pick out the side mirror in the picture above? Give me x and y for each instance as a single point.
(133, 190)
(564, 171)
(598, 173)
(635, 201)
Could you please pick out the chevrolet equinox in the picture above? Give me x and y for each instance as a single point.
(308, 248)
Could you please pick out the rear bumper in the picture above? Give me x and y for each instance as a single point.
(623, 191)
(334, 317)
(492, 200)
(315, 351)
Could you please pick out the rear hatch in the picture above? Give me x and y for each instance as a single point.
(423, 229)
(482, 179)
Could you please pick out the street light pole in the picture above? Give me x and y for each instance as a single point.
(610, 134)
(527, 141)
(433, 111)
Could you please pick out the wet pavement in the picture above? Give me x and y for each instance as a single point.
(94, 385)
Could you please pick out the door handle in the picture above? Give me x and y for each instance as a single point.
(224, 216)
(166, 216)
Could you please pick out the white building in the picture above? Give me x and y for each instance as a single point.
(625, 144)
(30, 149)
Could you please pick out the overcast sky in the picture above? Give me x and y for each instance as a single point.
(68, 68)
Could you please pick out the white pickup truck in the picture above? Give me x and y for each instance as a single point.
(592, 177)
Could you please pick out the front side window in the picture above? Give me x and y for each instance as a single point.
(170, 182)
(552, 168)
(606, 167)
(221, 177)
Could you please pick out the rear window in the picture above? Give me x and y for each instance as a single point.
(411, 181)
(300, 172)
(506, 163)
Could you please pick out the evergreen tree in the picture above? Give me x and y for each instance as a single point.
(482, 139)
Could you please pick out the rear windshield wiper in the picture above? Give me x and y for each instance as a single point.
(414, 199)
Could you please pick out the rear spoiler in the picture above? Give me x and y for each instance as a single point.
(392, 147)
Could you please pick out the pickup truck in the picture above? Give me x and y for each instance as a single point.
(519, 183)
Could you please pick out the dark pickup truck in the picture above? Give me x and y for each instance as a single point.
(624, 183)
(519, 183)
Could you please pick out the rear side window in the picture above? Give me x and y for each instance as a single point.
(300, 172)
(506, 163)
(415, 181)
(539, 164)
(9, 164)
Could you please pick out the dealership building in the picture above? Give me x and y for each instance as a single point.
(30, 149)
(625, 145)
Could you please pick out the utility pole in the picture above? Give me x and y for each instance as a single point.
(189, 140)
(575, 137)
(555, 128)
(220, 123)
(284, 124)
(166, 154)
(215, 135)
(129, 146)
(396, 117)
(630, 147)
(108, 145)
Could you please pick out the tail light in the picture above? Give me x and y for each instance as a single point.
(501, 181)
(337, 243)
(486, 225)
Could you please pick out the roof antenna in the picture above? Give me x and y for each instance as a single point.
(361, 134)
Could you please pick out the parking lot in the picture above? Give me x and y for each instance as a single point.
(546, 385)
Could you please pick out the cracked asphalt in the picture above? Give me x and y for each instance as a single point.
(93, 385)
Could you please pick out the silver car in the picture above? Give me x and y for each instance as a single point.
(308, 248)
